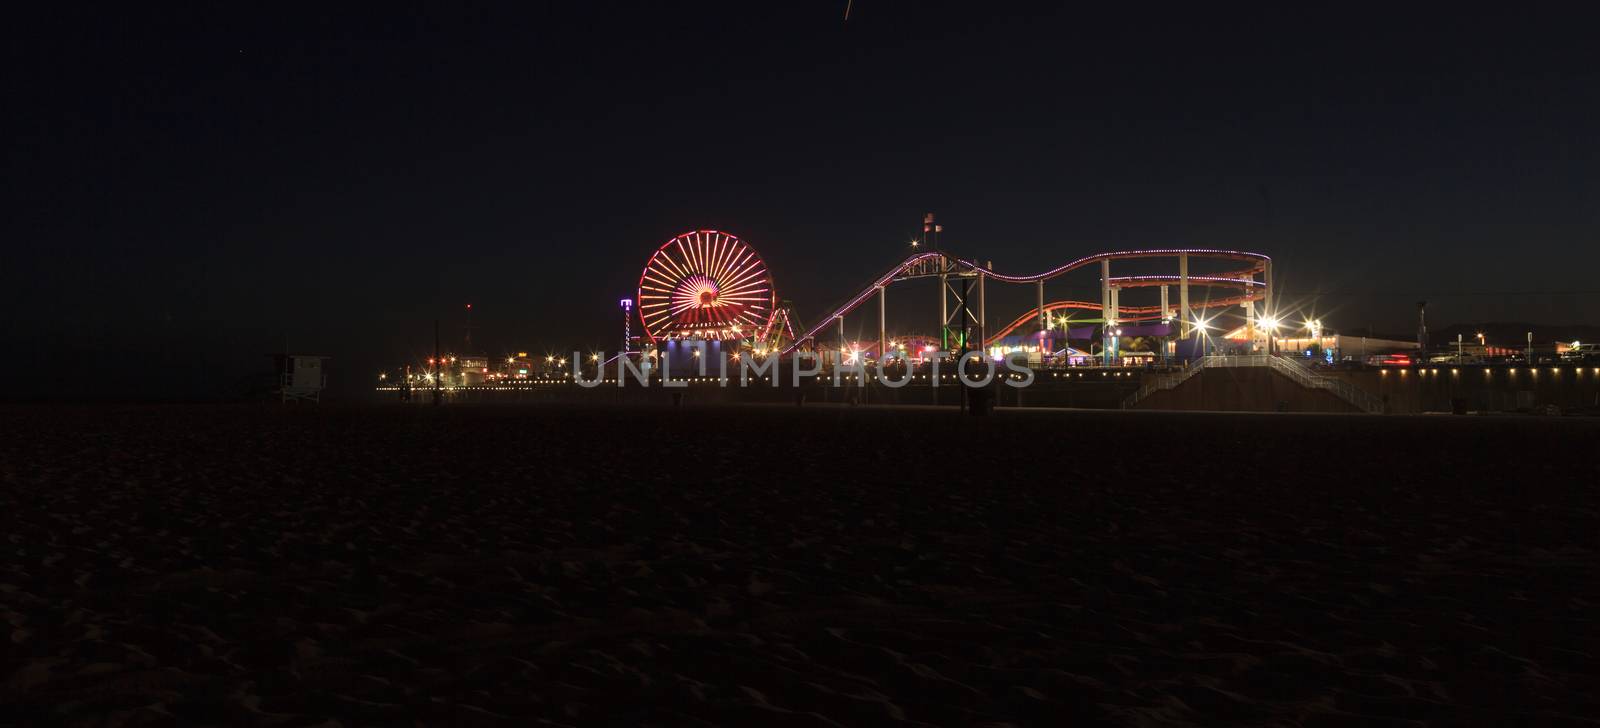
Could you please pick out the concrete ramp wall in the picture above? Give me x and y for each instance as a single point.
(1243, 389)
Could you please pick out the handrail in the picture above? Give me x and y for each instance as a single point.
(1166, 380)
(1355, 396)
(1361, 398)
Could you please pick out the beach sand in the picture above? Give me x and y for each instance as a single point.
(221, 565)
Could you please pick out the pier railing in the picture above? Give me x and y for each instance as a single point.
(1359, 398)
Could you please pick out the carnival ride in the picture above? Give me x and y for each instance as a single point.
(708, 284)
(1137, 314)
(963, 280)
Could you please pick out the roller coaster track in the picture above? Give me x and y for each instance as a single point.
(922, 265)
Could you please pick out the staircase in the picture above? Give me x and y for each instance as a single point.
(1299, 374)
(1167, 380)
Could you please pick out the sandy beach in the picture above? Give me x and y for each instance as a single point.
(389, 565)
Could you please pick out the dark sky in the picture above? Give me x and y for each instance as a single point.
(187, 189)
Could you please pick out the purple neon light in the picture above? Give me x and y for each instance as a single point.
(1203, 279)
(1118, 255)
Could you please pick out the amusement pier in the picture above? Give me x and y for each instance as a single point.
(1173, 328)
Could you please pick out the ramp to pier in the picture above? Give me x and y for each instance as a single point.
(1257, 383)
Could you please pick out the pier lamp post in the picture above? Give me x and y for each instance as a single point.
(1204, 336)
(1167, 322)
(1314, 327)
(1063, 322)
(1270, 323)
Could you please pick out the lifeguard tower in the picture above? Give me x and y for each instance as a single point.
(301, 377)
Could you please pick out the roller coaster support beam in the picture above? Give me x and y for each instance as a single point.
(983, 318)
(1250, 324)
(883, 339)
(944, 306)
(1116, 320)
(1266, 287)
(1044, 319)
(966, 314)
(1105, 310)
(1166, 318)
(1184, 314)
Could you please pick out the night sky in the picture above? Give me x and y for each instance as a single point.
(187, 190)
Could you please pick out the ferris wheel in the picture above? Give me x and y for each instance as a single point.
(706, 284)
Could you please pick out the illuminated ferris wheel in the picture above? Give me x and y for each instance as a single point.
(706, 284)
